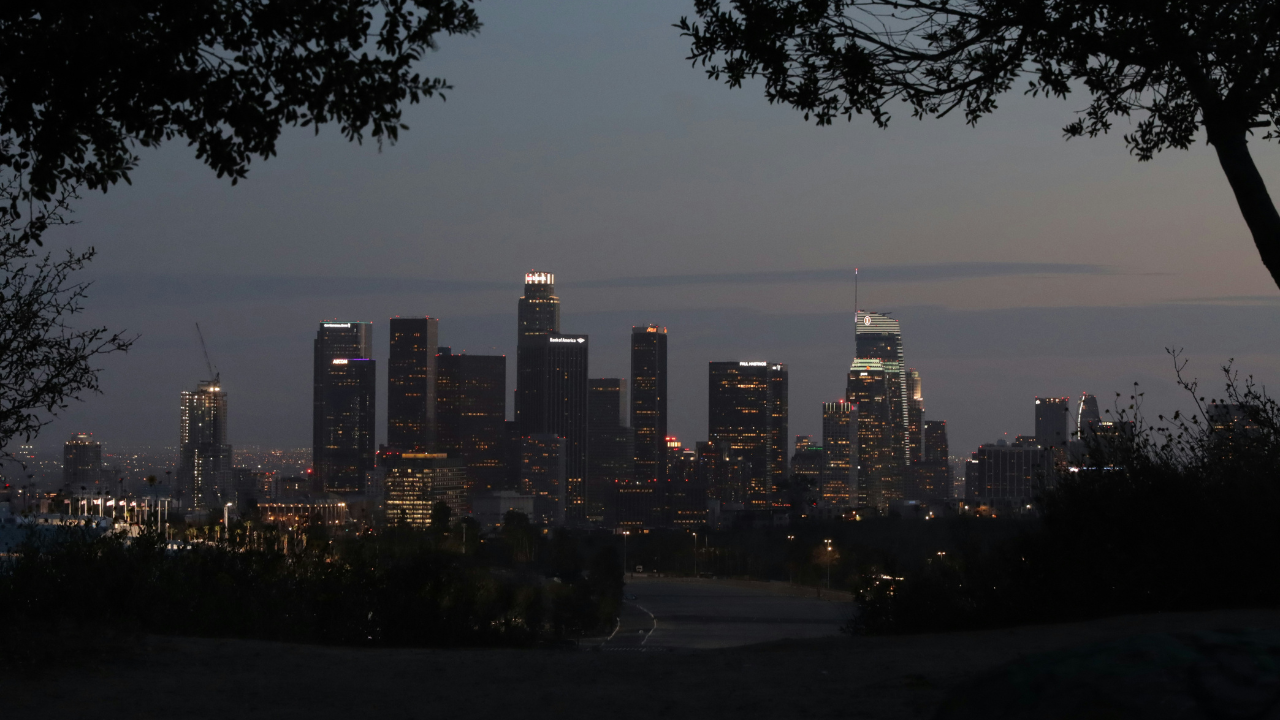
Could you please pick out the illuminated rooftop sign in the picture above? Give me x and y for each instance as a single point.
(340, 361)
(752, 364)
(338, 325)
(539, 278)
(566, 340)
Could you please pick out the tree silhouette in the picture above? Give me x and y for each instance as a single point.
(83, 84)
(1178, 66)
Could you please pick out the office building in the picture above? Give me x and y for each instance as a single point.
(747, 413)
(684, 498)
(872, 389)
(555, 403)
(807, 463)
(411, 383)
(936, 448)
(543, 475)
(1008, 477)
(779, 433)
(415, 482)
(471, 407)
(551, 386)
(204, 455)
(915, 417)
(649, 400)
(1087, 416)
(1051, 421)
(345, 384)
(537, 317)
(879, 337)
(81, 462)
(839, 440)
(610, 448)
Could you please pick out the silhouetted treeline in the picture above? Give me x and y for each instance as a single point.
(1178, 515)
(397, 588)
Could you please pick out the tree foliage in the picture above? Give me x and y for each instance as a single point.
(82, 83)
(1170, 67)
(44, 361)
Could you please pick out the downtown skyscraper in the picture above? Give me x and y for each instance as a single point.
(837, 477)
(747, 416)
(551, 385)
(872, 389)
(649, 400)
(345, 385)
(471, 408)
(411, 384)
(1052, 421)
(204, 455)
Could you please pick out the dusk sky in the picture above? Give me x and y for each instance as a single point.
(579, 141)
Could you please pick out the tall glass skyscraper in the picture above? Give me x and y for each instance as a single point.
(879, 337)
(345, 384)
(471, 408)
(872, 389)
(204, 455)
(838, 478)
(551, 385)
(81, 461)
(915, 417)
(649, 400)
(610, 447)
(747, 412)
(411, 384)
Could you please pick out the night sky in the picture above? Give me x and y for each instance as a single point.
(579, 141)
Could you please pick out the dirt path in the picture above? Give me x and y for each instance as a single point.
(884, 677)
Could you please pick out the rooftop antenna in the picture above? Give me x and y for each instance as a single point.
(855, 296)
(212, 372)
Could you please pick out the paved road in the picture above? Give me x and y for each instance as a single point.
(709, 614)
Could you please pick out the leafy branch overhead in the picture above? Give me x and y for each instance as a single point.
(1171, 68)
(82, 84)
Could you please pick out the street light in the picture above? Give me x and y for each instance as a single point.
(625, 533)
(828, 542)
(695, 555)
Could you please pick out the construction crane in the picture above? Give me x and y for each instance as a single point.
(213, 373)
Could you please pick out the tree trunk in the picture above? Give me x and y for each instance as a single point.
(1252, 197)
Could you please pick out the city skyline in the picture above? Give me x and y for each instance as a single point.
(682, 424)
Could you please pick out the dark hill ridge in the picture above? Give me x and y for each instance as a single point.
(865, 677)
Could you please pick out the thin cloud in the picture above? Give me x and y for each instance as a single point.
(933, 272)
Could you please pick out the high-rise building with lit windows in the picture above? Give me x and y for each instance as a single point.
(1087, 416)
(537, 316)
(543, 475)
(649, 400)
(1051, 421)
(915, 417)
(471, 407)
(81, 461)
(610, 447)
(839, 442)
(873, 390)
(411, 383)
(879, 337)
(555, 402)
(747, 415)
(345, 383)
(204, 455)
(551, 385)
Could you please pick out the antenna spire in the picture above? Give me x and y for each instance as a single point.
(855, 296)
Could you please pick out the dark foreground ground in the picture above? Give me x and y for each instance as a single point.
(880, 677)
